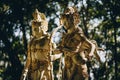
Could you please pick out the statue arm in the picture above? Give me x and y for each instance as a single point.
(87, 44)
(56, 53)
(26, 67)
(28, 60)
(92, 46)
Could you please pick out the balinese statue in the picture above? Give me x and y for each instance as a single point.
(38, 64)
(76, 47)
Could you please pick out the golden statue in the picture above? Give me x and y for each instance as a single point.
(76, 47)
(39, 57)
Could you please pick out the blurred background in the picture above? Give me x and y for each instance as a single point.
(100, 20)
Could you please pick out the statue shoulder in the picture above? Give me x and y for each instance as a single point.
(80, 34)
(79, 30)
(31, 41)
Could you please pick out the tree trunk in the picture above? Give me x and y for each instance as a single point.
(115, 50)
(115, 26)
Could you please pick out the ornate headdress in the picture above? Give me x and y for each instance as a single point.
(40, 20)
(71, 14)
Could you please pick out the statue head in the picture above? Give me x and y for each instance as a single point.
(39, 23)
(70, 18)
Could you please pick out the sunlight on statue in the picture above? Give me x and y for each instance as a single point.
(76, 47)
(74, 50)
(38, 64)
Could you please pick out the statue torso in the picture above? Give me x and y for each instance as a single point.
(39, 48)
(72, 40)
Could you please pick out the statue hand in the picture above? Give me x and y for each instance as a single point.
(90, 56)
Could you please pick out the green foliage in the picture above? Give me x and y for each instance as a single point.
(15, 30)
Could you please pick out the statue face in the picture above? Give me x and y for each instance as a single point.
(70, 18)
(67, 18)
(69, 10)
(36, 30)
(65, 21)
